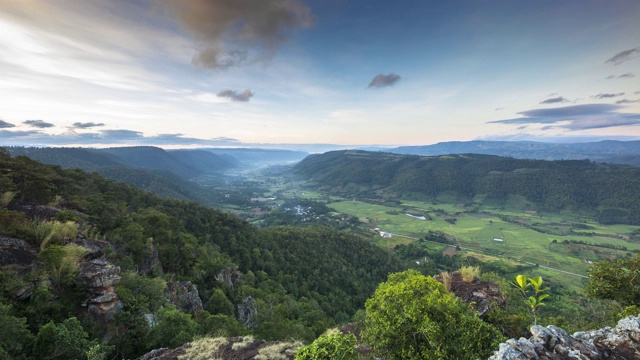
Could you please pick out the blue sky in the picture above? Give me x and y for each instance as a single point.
(187, 73)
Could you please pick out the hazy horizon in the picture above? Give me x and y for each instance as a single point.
(322, 74)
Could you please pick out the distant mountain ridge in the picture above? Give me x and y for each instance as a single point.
(609, 192)
(609, 151)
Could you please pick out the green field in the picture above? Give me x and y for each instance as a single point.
(476, 230)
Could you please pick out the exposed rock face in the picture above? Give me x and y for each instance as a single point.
(95, 247)
(185, 296)
(151, 263)
(98, 277)
(248, 312)
(620, 342)
(17, 253)
(482, 294)
(229, 277)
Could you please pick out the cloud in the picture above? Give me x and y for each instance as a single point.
(228, 31)
(623, 76)
(86, 125)
(626, 101)
(607, 96)
(4, 124)
(554, 100)
(6, 134)
(38, 124)
(576, 117)
(236, 96)
(622, 56)
(382, 80)
(120, 134)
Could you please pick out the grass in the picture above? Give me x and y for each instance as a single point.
(203, 349)
(527, 237)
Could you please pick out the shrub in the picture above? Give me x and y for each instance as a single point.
(333, 345)
(469, 273)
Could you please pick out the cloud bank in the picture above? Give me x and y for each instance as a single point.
(607, 96)
(229, 31)
(382, 80)
(576, 117)
(244, 96)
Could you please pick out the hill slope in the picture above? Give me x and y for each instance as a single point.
(612, 192)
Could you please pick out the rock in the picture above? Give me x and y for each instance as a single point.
(151, 263)
(17, 254)
(95, 247)
(184, 295)
(229, 277)
(98, 277)
(620, 342)
(248, 312)
(482, 295)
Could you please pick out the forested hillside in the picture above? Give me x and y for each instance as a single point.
(275, 283)
(609, 192)
(610, 151)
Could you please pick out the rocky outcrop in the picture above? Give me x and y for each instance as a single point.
(99, 277)
(248, 312)
(620, 342)
(184, 295)
(229, 277)
(96, 247)
(151, 263)
(17, 254)
(482, 296)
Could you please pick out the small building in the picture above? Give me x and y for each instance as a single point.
(498, 239)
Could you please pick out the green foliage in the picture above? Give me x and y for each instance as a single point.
(412, 316)
(15, 338)
(55, 231)
(617, 280)
(67, 340)
(172, 328)
(141, 293)
(330, 346)
(6, 198)
(61, 263)
(219, 304)
(535, 300)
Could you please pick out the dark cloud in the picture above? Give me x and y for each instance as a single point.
(498, 109)
(622, 56)
(38, 124)
(382, 80)
(626, 101)
(236, 96)
(228, 31)
(554, 100)
(6, 134)
(5, 125)
(576, 117)
(86, 125)
(607, 96)
(120, 134)
(623, 76)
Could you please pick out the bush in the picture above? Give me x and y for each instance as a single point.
(333, 345)
(412, 316)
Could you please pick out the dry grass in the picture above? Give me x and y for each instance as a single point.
(55, 231)
(246, 341)
(278, 351)
(203, 349)
(446, 280)
(469, 273)
(6, 198)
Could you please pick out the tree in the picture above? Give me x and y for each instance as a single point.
(615, 280)
(15, 338)
(412, 316)
(67, 340)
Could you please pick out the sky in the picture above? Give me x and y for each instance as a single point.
(197, 73)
